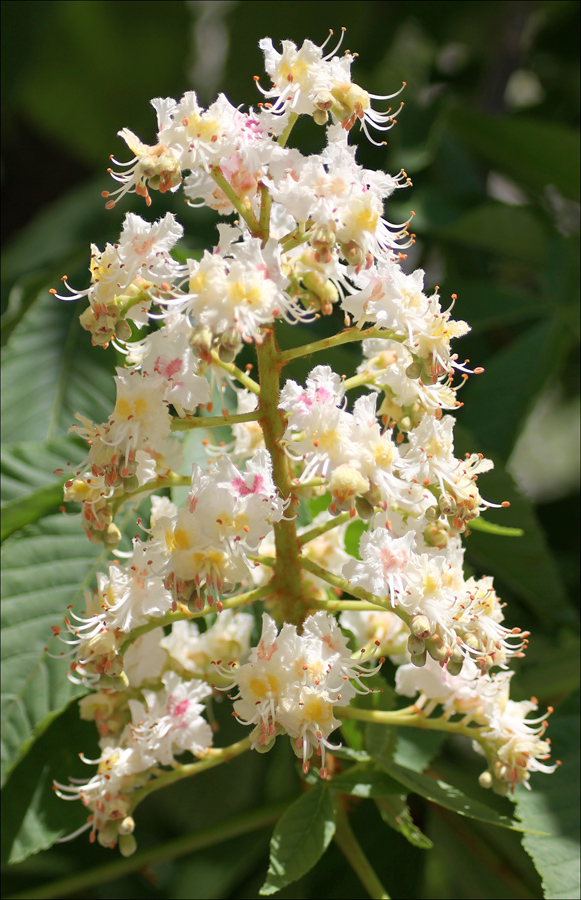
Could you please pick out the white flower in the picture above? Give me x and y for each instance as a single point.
(226, 640)
(293, 682)
(145, 658)
(305, 81)
(201, 138)
(385, 564)
(170, 721)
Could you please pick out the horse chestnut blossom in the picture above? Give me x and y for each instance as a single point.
(262, 531)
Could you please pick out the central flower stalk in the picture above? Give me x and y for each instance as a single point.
(287, 580)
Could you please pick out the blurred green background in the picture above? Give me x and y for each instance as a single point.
(489, 137)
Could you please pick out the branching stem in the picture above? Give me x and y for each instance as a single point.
(345, 337)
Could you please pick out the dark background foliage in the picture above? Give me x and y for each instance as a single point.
(489, 136)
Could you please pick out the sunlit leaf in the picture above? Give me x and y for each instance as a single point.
(300, 838)
(44, 570)
(553, 806)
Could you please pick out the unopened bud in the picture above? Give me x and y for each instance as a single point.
(455, 663)
(107, 833)
(416, 645)
(353, 254)
(346, 482)
(418, 659)
(414, 370)
(436, 536)
(448, 504)
(112, 536)
(127, 826)
(421, 628)
(123, 330)
(485, 779)
(364, 508)
(130, 484)
(437, 648)
(472, 642)
(320, 117)
(127, 844)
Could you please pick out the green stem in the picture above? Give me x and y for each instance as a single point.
(235, 200)
(286, 133)
(286, 583)
(211, 760)
(182, 615)
(213, 421)
(305, 485)
(322, 529)
(412, 717)
(343, 585)
(142, 297)
(358, 381)
(332, 606)
(264, 219)
(345, 337)
(233, 370)
(156, 484)
(191, 843)
(297, 237)
(351, 850)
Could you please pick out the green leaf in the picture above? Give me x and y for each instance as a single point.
(30, 466)
(364, 781)
(486, 305)
(300, 838)
(416, 749)
(512, 231)
(535, 152)
(43, 571)
(51, 372)
(487, 527)
(18, 513)
(526, 566)
(516, 374)
(447, 796)
(37, 816)
(81, 33)
(394, 811)
(371, 782)
(553, 806)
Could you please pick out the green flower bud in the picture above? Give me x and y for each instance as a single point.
(416, 645)
(127, 844)
(123, 330)
(437, 648)
(418, 659)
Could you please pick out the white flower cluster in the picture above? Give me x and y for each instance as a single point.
(310, 236)
(292, 683)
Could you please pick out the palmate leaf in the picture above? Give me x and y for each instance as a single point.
(37, 816)
(50, 372)
(448, 796)
(31, 466)
(553, 806)
(300, 838)
(31, 488)
(44, 570)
